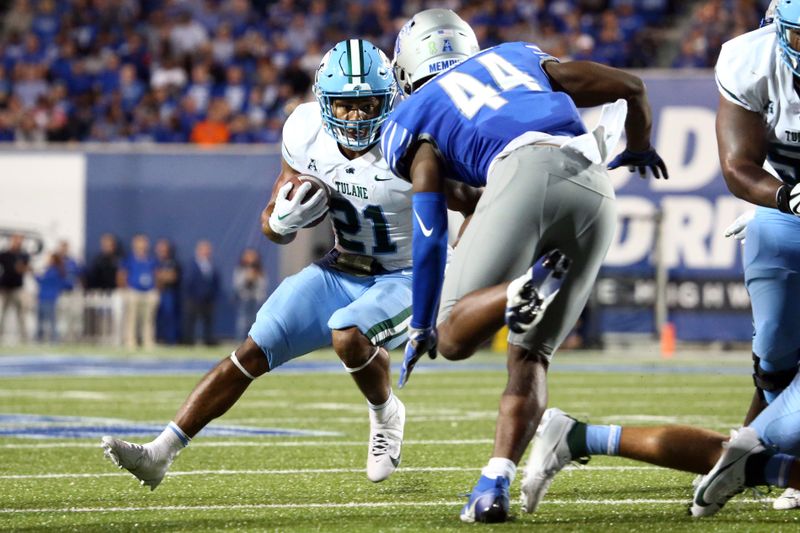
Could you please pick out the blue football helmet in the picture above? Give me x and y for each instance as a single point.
(355, 69)
(787, 19)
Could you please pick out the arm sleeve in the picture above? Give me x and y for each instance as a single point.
(429, 255)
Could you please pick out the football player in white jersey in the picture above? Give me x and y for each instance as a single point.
(357, 298)
(758, 76)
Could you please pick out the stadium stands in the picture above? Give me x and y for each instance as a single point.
(149, 71)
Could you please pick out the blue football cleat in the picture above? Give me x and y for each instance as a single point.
(488, 502)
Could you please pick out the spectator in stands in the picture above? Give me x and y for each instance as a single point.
(168, 281)
(610, 45)
(46, 23)
(108, 79)
(28, 133)
(14, 264)
(102, 273)
(131, 88)
(236, 91)
(201, 87)
(214, 129)
(202, 290)
(250, 287)
(187, 35)
(104, 307)
(70, 302)
(52, 282)
(18, 20)
(223, 45)
(241, 131)
(137, 278)
(72, 268)
(98, 49)
(630, 22)
(691, 55)
(168, 73)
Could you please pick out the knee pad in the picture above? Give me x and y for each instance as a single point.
(772, 382)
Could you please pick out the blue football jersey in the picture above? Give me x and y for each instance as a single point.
(475, 109)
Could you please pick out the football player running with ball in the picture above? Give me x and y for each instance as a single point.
(506, 118)
(356, 298)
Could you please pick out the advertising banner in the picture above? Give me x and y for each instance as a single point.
(706, 297)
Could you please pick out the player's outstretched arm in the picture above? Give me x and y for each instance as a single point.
(287, 173)
(591, 84)
(741, 137)
(429, 253)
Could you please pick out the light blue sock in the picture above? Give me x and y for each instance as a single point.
(777, 470)
(603, 440)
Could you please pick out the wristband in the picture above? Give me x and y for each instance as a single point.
(782, 199)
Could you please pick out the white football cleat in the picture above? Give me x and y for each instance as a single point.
(726, 479)
(550, 454)
(136, 459)
(385, 442)
(790, 499)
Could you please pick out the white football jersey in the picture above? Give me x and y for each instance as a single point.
(750, 73)
(370, 208)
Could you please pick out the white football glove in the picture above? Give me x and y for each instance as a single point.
(738, 229)
(290, 215)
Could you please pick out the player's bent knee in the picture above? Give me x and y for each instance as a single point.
(352, 347)
(454, 350)
(249, 359)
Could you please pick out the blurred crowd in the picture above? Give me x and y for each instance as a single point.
(230, 71)
(133, 299)
(713, 22)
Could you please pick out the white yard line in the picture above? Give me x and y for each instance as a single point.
(347, 505)
(300, 471)
(250, 444)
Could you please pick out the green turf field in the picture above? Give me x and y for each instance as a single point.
(317, 483)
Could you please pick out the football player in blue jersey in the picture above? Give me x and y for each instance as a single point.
(757, 76)
(506, 118)
(357, 298)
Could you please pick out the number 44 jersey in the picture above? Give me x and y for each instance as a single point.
(370, 208)
(484, 107)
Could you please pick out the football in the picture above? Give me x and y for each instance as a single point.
(316, 185)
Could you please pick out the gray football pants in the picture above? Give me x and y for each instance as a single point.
(538, 198)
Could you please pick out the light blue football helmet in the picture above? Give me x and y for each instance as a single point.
(355, 69)
(787, 19)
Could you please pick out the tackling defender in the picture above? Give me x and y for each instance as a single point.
(357, 298)
(757, 75)
(505, 118)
